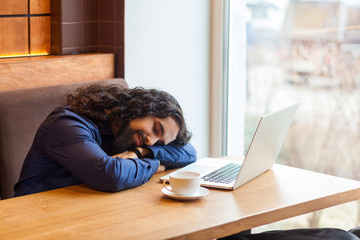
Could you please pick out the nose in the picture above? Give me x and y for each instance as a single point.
(151, 140)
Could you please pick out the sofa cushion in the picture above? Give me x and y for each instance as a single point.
(21, 113)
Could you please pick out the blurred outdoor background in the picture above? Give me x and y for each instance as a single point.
(309, 51)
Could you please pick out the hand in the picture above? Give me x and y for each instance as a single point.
(126, 154)
(144, 151)
(131, 154)
(160, 169)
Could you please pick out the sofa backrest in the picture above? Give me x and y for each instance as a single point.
(21, 113)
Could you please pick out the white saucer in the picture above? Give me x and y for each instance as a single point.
(202, 192)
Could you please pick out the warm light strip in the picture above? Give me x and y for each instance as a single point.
(23, 55)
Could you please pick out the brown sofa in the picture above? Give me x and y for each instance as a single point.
(21, 113)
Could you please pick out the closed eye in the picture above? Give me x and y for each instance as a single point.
(155, 128)
(158, 128)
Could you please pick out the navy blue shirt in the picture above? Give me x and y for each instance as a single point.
(69, 149)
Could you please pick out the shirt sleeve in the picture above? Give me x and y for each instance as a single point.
(72, 144)
(173, 156)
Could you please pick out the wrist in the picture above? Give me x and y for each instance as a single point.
(145, 152)
(136, 151)
(142, 152)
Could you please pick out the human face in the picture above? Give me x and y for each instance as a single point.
(152, 130)
(148, 131)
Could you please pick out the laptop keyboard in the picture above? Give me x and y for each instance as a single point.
(225, 174)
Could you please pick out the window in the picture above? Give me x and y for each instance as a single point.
(307, 51)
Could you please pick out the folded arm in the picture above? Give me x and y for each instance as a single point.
(170, 156)
(73, 145)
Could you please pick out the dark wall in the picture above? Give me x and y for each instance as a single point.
(83, 26)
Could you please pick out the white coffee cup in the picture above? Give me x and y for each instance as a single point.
(183, 183)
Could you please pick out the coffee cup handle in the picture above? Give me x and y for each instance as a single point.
(165, 186)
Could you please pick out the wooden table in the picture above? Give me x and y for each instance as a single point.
(78, 212)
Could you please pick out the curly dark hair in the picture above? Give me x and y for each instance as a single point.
(126, 104)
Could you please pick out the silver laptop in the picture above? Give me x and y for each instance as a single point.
(263, 150)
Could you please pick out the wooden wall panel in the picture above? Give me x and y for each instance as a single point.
(8, 7)
(39, 6)
(14, 35)
(40, 35)
(31, 72)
